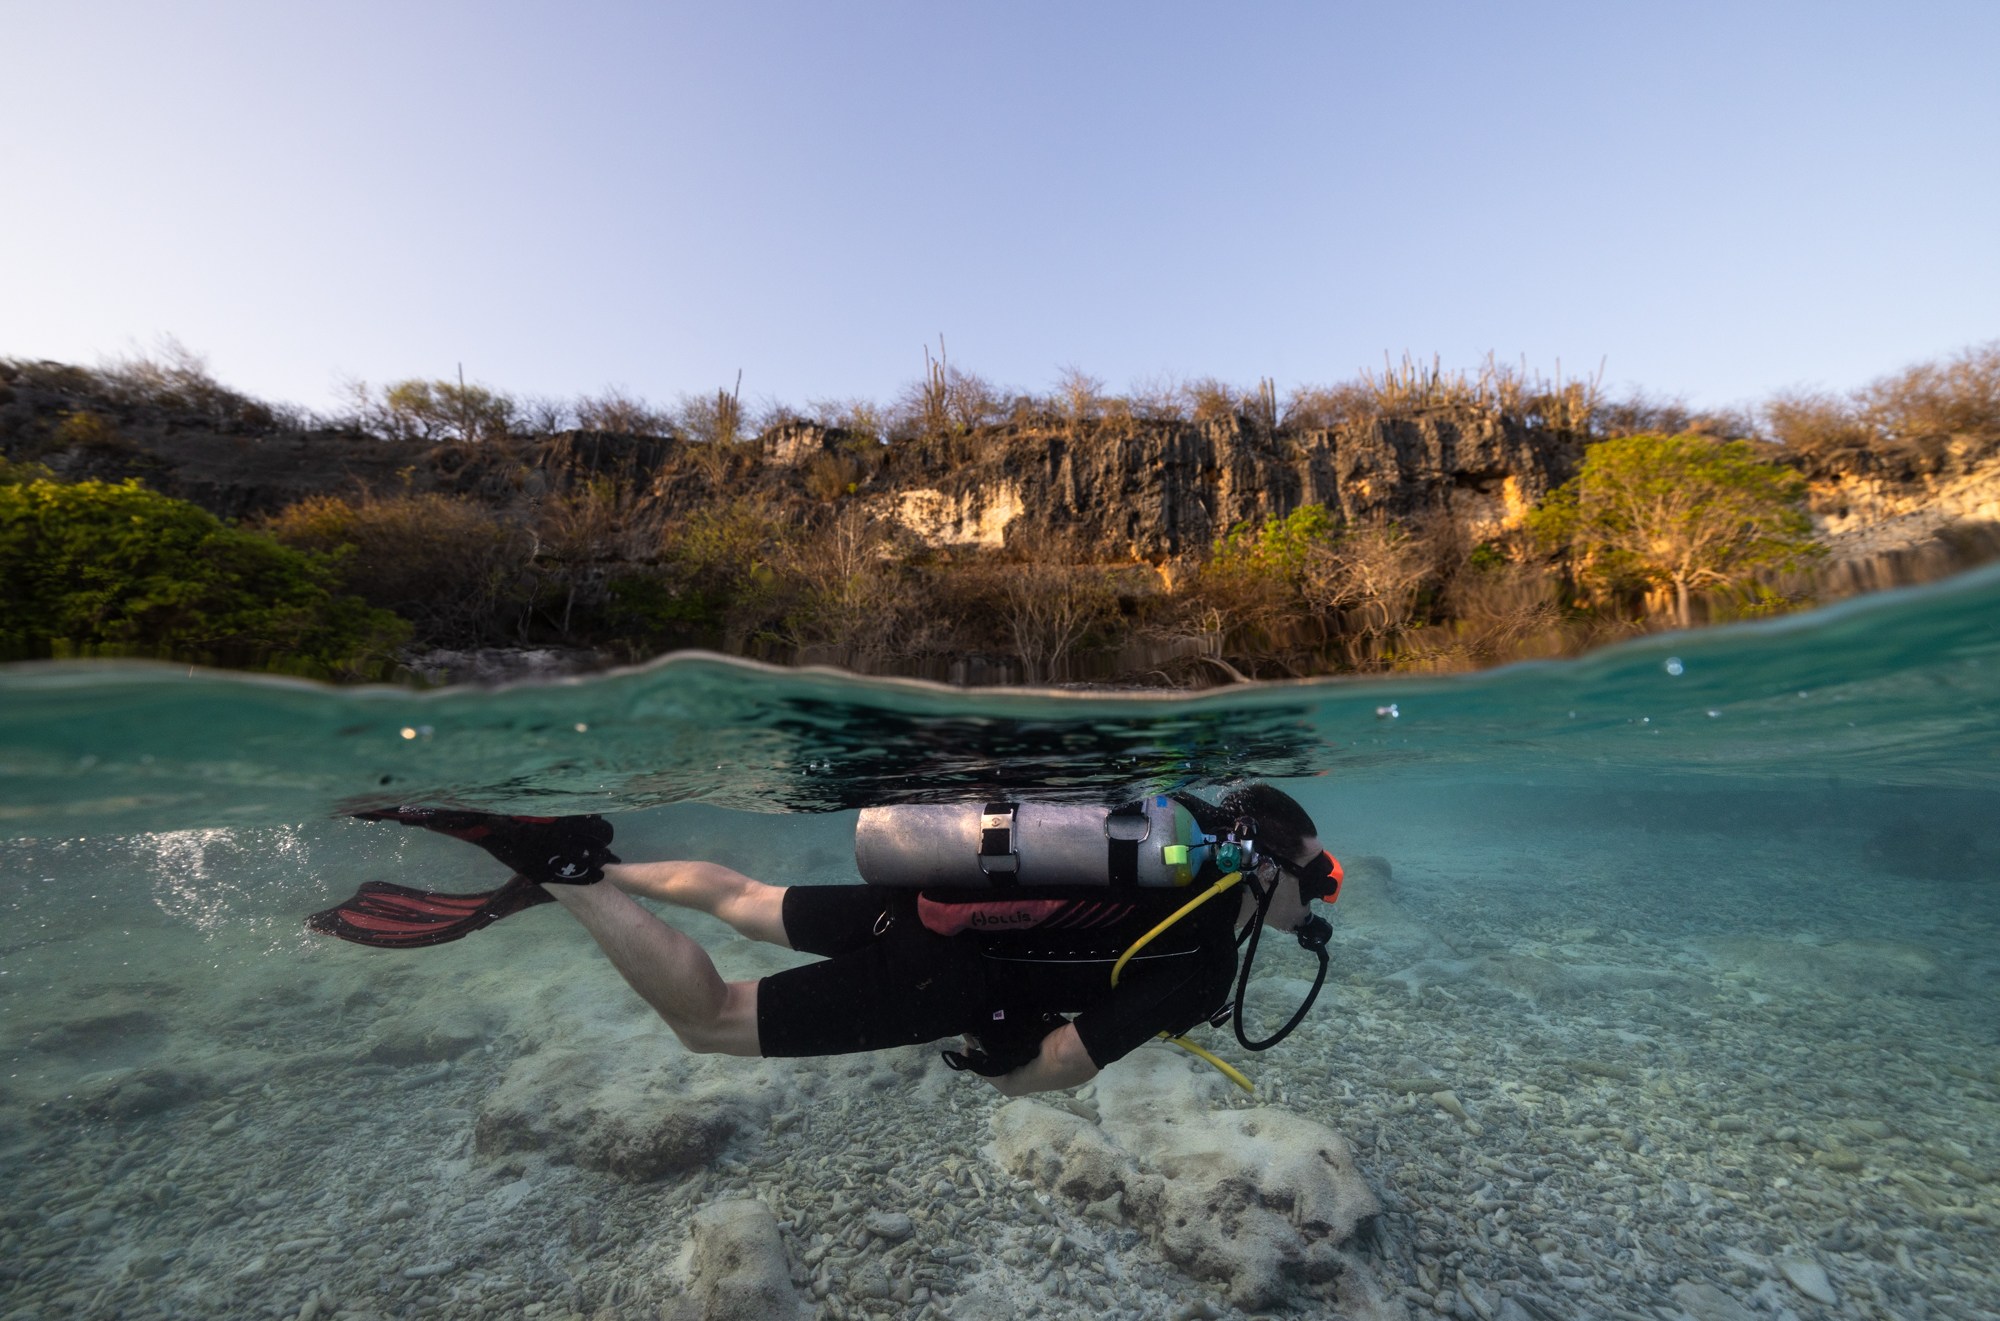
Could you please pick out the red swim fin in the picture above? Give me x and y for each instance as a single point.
(397, 917)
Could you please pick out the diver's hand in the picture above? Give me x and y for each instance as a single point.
(1061, 1064)
(975, 1058)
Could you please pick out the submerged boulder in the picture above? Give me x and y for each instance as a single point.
(737, 1269)
(1258, 1201)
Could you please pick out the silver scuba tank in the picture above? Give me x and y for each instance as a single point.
(1154, 842)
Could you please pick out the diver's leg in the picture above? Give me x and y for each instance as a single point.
(755, 909)
(669, 971)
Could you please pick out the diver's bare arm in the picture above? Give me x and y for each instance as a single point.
(1062, 1064)
(755, 909)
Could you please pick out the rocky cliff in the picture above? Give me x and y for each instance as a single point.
(1145, 490)
(1137, 490)
(1166, 489)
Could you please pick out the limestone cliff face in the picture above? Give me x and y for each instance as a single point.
(1873, 499)
(1164, 490)
(1148, 490)
(1154, 490)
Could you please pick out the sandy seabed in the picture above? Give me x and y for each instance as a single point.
(1557, 1078)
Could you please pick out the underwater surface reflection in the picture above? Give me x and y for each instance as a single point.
(1664, 982)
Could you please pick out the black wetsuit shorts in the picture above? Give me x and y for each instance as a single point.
(883, 981)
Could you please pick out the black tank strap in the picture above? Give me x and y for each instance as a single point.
(998, 858)
(1124, 829)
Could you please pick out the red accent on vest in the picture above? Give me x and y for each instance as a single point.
(949, 919)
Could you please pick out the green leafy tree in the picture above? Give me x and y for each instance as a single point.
(438, 410)
(1685, 512)
(116, 569)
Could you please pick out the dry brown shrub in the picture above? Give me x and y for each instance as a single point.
(541, 415)
(602, 518)
(450, 566)
(1324, 407)
(173, 376)
(1494, 613)
(1959, 396)
(1411, 387)
(1079, 398)
(1640, 413)
(829, 477)
(1809, 420)
(1158, 399)
(715, 419)
(1119, 419)
(627, 415)
(848, 600)
(1052, 598)
(1370, 575)
(1208, 400)
(861, 419)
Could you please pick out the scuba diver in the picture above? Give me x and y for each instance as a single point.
(1055, 939)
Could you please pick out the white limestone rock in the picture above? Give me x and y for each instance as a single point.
(737, 1269)
(1257, 1201)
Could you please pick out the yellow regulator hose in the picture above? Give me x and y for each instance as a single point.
(1179, 913)
(1224, 1067)
(1227, 1070)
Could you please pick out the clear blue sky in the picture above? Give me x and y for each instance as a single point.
(1717, 200)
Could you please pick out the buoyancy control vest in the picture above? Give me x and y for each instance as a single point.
(1019, 848)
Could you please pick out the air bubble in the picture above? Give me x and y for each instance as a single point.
(1674, 666)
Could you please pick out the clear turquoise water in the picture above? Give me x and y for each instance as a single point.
(1782, 840)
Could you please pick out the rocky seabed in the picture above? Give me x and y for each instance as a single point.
(1535, 1089)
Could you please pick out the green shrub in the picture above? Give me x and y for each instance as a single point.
(93, 568)
(1255, 583)
(1278, 548)
(84, 429)
(19, 472)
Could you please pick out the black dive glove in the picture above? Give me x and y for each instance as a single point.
(991, 1059)
(976, 1060)
(550, 850)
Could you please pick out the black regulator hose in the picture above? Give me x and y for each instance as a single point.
(1313, 936)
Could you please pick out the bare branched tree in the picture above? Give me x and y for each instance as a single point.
(1053, 599)
(620, 413)
(1079, 398)
(849, 596)
(1370, 575)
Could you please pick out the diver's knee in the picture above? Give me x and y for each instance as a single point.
(731, 1031)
